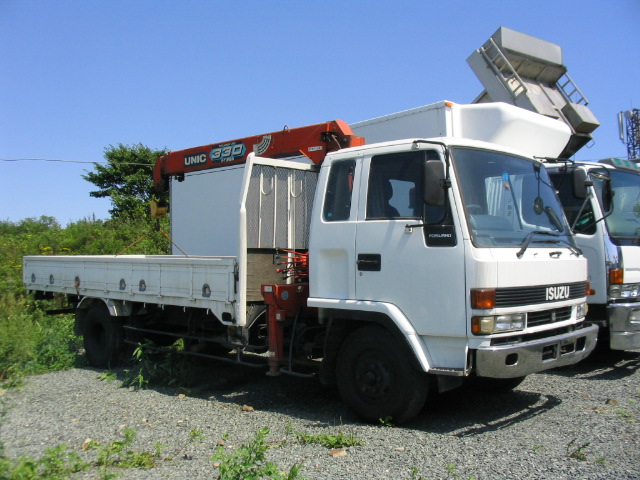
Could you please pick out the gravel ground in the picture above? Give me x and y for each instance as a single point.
(579, 422)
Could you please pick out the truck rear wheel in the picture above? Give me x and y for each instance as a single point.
(102, 337)
(376, 378)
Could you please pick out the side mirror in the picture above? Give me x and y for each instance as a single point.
(433, 183)
(580, 183)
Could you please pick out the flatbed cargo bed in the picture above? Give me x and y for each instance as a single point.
(203, 281)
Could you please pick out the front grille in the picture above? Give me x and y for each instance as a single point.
(546, 317)
(519, 338)
(518, 296)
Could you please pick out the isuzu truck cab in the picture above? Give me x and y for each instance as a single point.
(602, 203)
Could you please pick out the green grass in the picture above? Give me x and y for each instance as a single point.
(59, 463)
(32, 342)
(330, 440)
(56, 463)
(167, 368)
(248, 462)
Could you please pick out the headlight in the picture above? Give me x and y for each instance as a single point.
(498, 323)
(626, 290)
(581, 310)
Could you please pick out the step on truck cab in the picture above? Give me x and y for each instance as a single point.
(602, 204)
(389, 269)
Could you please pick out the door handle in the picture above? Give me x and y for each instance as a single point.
(369, 262)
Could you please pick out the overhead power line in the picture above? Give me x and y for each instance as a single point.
(103, 163)
(64, 161)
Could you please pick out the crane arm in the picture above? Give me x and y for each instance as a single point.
(313, 141)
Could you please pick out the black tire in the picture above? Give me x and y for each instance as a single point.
(102, 337)
(376, 378)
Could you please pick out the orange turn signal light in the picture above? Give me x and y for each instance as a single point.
(616, 276)
(475, 325)
(483, 298)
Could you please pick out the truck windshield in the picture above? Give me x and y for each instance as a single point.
(509, 201)
(624, 221)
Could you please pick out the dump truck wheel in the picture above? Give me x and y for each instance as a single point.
(376, 378)
(103, 337)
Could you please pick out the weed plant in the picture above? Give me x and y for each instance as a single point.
(59, 463)
(119, 454)
(328, 440)
(573, 450)
(167, 368)
(31, 341)
(56, 463)
(248, 462)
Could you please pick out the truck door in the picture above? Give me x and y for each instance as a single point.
(332, 252)
(582, 213)
(419, 271)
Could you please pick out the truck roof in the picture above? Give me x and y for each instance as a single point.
(392, 145)
(499, 123)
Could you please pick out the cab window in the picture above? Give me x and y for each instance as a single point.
(337, 204)
(395, 186)
(579, 215)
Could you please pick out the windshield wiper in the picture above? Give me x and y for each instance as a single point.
(573, 248)
(527, 240)
(529, 237)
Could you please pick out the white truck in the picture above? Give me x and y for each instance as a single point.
(390, 269)
(602, 204)
(528, 72)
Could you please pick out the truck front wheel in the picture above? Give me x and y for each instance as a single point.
(376, 378)
(103, 337)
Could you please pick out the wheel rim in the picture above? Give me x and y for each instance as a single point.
(373, 377)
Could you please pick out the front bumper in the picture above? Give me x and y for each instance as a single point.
(509, 361)
(624, 333)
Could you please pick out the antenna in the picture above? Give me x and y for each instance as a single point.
(630, 132)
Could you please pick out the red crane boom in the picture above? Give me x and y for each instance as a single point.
(313, 141)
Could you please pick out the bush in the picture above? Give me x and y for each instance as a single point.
(31, 341)
(17, 345)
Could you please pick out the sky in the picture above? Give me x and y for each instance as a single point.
(78, 76)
